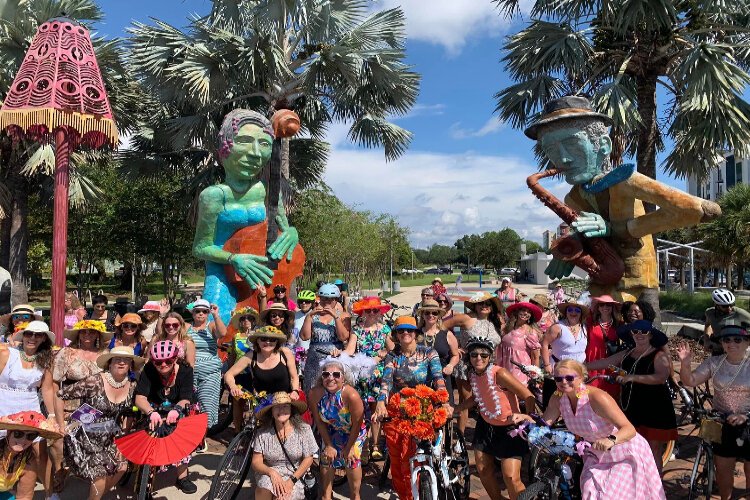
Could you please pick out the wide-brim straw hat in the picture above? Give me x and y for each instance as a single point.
(428, 305)
(603, 299)
(267, 331)
(565, 108)
(370, 303)
(541, 300)
(278, 307)
(131, 318)
(280, 398)
(563, 306)
(36, 327)
(481, 297)
(120, 351)
(26, 309)
(658, 338)
(31, 421)
(245, 311)
(535, 310)
(88, 324)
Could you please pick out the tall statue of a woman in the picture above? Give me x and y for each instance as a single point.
(224, 210)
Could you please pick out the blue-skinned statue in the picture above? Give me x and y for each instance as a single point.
(232, 233)
(612, 232)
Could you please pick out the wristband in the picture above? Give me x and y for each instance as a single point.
(612, 438)
(229, 259)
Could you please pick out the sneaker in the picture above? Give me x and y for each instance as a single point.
(203, 448)
(186, 486)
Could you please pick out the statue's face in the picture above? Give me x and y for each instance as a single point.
(250, 152)
(570, 150)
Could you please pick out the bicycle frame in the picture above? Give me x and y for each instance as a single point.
(423, 462)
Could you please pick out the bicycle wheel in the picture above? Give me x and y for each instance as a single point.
(143, 482)
(425, 487)
(225, 412)
(233, 468)
(702, 476)
(458, 462)
(534, 491)
(667, 455)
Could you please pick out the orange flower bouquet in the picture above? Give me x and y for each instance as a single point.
(418, 411)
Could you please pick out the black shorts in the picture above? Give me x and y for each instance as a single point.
(495, 440)
(728, 447)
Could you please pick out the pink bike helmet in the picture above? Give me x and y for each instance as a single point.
(164, 349)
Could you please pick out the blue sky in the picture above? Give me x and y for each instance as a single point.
(465, 171)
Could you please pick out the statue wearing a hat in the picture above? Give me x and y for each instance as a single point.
(608, 203)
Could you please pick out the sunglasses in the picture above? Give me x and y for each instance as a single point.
(120, 360)
(639, 332)
(431, 313)
(164, 362)
(335, 375)
(404, 331)
(442, 301)
(305, 301)
(725, 306)
(482, 355)
(28, 436)
(486, 303)
(371, 311)
(267, 339)
(567, 378)
(171, 326)
(38, 335)
(100, 308)
(24, 317)
(572, 309)
(246, 318)
(129, 326)
(276, 315)
(729, 340)
(200, 311)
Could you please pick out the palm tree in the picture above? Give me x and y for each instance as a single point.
(23, 164)
(697, 51)
(328, 61)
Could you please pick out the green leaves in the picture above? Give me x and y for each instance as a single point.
(373, 131)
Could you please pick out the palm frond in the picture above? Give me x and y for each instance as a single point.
(41, 161)
(617, 99)
(518, 103)
(307, 162)
(372, 131)
(646, 15)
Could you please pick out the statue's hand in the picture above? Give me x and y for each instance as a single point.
(558, 269)
(286, 242)
(251, 269)
(591, 225)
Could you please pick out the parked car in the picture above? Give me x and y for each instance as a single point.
(510, 271)
(476, 270)
(438, 270)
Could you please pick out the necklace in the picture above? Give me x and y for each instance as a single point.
(483, 407)
(427, 340)
(575, 331)
(739, 368)
(27, 358)
(632, 371)
(114, 383)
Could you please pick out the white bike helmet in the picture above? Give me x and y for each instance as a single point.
(723, 297)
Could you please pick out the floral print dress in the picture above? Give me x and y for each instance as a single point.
(369, 343)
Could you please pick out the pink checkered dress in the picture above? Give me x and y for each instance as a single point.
(627, 471)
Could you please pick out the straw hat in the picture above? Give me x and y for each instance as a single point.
(279, 398)
(36, 327)
(370, 303)
(428, 305)
(437, 278)
(536, 311)
(278, 307)
(603, 299)
(31, 421)
(131, 318)
(270, 332)
(244, 311)
(562, 307)
(25, 309)
(481, 297)
(88, 324)
(541, 300)
(120, 351)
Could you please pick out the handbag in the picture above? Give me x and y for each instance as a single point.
(309, 481)
(710, 430)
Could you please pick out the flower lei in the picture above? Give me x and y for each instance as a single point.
(418, 411)
(553, 441)
(483, 407)
(90, 324)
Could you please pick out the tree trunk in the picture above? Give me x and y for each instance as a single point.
(19, 238)
(647, 136)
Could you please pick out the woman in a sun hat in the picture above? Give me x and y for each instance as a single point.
(90, 451)
(18, 317)
(21, 463)
(549, 316)
(129, 332)
(485, 319)
(520, 343)
(278, 315)
(283, 448)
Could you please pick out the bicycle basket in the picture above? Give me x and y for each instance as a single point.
(710, 430)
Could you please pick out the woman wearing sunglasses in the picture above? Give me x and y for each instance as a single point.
(279, 316)
(205, 334)
(432, 334)
(520, 342)
(90, 450)
(129, 333)
(270, 364)
(338, 412)
(497, 393)
(408, 365)
(485, 319)
(164, 384)
(371, 337)
(730, 377)
(446, 305)
(20, 465)
(645, 397)
(174, 329)
(617, 465)
(19, 316)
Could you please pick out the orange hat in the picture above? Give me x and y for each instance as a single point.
(370, 303)
(405, 323)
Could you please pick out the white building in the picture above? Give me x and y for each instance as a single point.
(547, 238)
(733, 170)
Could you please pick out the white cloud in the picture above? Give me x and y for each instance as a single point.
(441, 197)
(491, 126)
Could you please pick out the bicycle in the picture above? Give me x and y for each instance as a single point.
(439, 469)
(389, 318)
(235, 463)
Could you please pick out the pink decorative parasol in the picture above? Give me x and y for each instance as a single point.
(58, 93)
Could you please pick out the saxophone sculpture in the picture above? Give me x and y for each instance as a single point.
(594, 255)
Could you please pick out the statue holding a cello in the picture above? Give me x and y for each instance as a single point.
(244, 238)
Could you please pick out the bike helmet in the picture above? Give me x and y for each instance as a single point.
(329, 290)
(481, 342)
(164, 349)
(306, 295)
(723, 297)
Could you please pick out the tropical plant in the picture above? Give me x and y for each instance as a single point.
(330, 61)
(620, 53)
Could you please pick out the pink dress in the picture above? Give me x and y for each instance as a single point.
(627, 471)
(517, 346)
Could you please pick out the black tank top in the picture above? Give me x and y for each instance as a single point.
(440, 345)
(272, 380)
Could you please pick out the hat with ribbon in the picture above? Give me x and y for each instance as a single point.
(35, 327)
(366, 303)
(279, 398)
(480, 297)
(535, 310)
(120, 351)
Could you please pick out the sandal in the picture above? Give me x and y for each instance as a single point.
(376, 454)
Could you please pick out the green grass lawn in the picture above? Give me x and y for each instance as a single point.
(691, 305)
